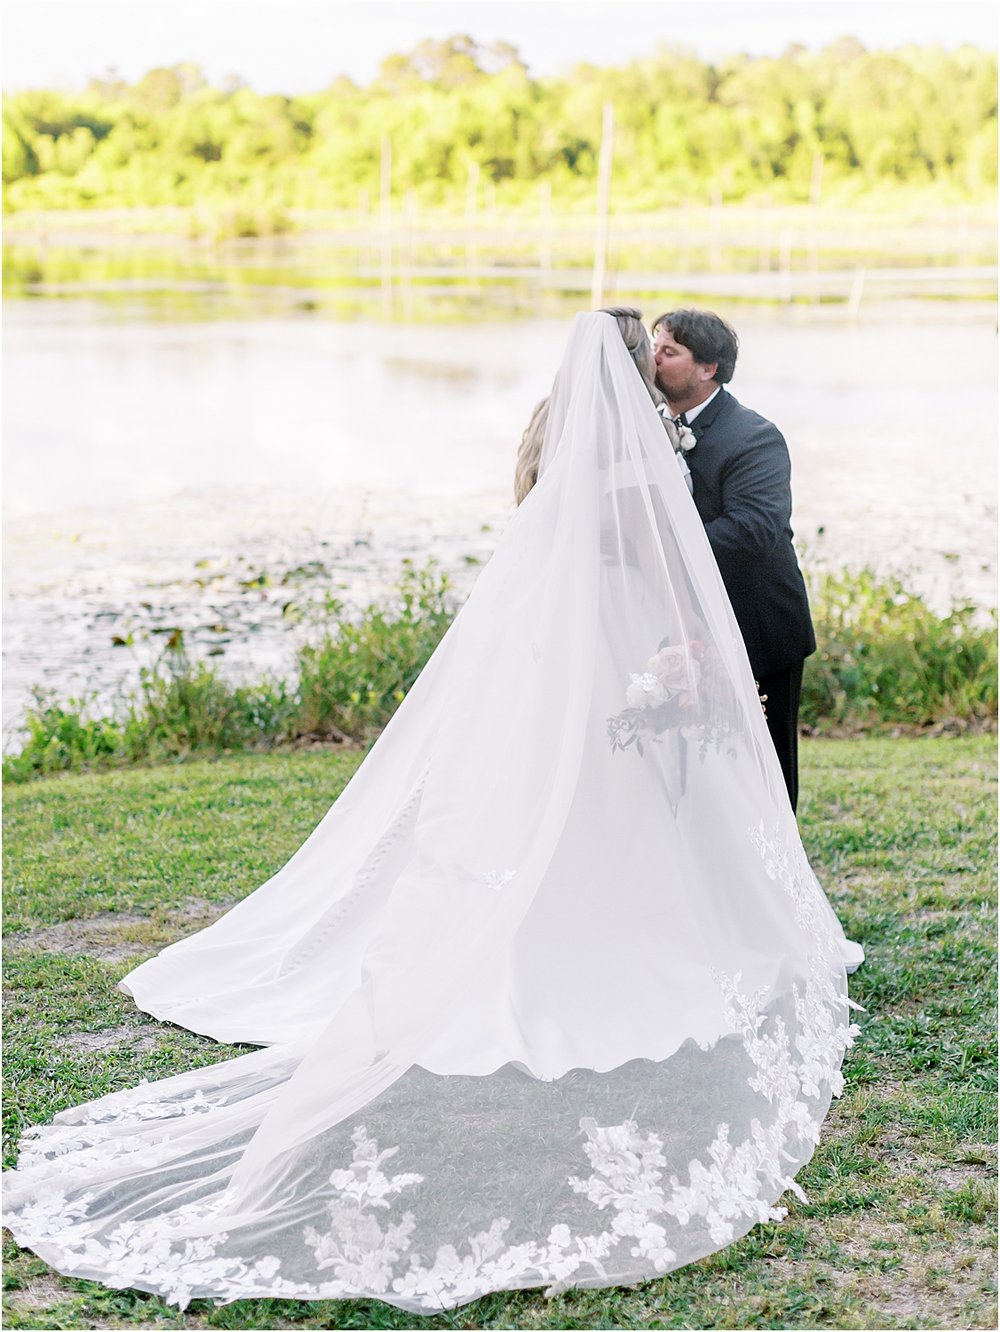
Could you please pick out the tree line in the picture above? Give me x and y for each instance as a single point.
(459, 117)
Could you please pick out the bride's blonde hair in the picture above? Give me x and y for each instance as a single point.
(636, 339)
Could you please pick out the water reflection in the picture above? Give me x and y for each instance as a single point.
(510, 269)
(165, 448)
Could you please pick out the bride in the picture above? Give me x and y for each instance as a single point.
(551, 996)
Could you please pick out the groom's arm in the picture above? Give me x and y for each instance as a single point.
(756, 502)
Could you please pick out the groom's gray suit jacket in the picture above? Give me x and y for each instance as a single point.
(742, 489)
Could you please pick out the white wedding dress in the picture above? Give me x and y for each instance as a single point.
(551, 997)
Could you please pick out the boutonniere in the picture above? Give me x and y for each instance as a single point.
(682, 437)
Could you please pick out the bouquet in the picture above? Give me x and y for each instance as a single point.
(683, 689)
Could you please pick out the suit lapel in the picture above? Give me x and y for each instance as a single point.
(703, 421)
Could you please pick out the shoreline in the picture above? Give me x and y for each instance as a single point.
(91, 596)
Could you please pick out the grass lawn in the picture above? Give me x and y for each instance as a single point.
(900, 1227)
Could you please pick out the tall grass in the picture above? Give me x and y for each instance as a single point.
(884, 659)
(352, 680)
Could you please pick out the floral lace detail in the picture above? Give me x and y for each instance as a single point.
(152, 1255)
(794, 1075)
(492, 1264)
(785, 862)
(50, 1215)
(795, 1065)
(133, 1109)
(144, 1254)
(787, 1071)
(498, 879)
(356, 1246)
(736, 1183)
(149, 1254)
(626, 1177)
(46, 1143)
(91, 1139)
(361, 1251)
(65, 1152)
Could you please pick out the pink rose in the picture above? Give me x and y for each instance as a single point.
(675, 668)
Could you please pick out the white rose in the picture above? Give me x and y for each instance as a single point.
(645, 691)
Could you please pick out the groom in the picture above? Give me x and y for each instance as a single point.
(742, 490)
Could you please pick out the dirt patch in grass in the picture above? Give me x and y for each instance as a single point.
(40, 1292)
(139, 1039)
(115, 936)
(48, 1293)
(906, 1280)
(955, 1176)
(110, 937)
(196, 912)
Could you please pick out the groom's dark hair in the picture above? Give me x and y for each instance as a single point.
(708, 338)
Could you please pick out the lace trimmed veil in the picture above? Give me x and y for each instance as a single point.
(550, 997)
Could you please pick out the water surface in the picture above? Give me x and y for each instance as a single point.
(218, 474)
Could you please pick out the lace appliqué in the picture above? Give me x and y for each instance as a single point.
(795, 1065)
(137, 1108)
(785, 862)
(360, 1252)
(55, 1149)
(794, 1074)
(67, 1153)
(498, 879)
(739, 1179)
(149, 1255)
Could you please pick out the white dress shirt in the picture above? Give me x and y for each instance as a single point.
(689, 416)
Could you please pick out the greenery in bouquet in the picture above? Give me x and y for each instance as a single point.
(684, 688)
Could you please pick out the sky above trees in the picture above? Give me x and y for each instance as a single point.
(293, 47)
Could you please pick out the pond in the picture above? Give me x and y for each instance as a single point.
(219, 470)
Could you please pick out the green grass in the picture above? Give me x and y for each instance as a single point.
(900, 1227)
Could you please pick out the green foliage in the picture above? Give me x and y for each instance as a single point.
(63, 737)
(349, 683)
(185, 707)
(462, 117)
(884, 657)
(354, 678)
(239, 223)
(181, 708)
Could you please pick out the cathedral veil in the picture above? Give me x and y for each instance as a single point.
(551, 997)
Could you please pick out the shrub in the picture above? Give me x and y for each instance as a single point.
(354, 678)
(349, 684)
(63, 737)
(885, 657)
(184, 707)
